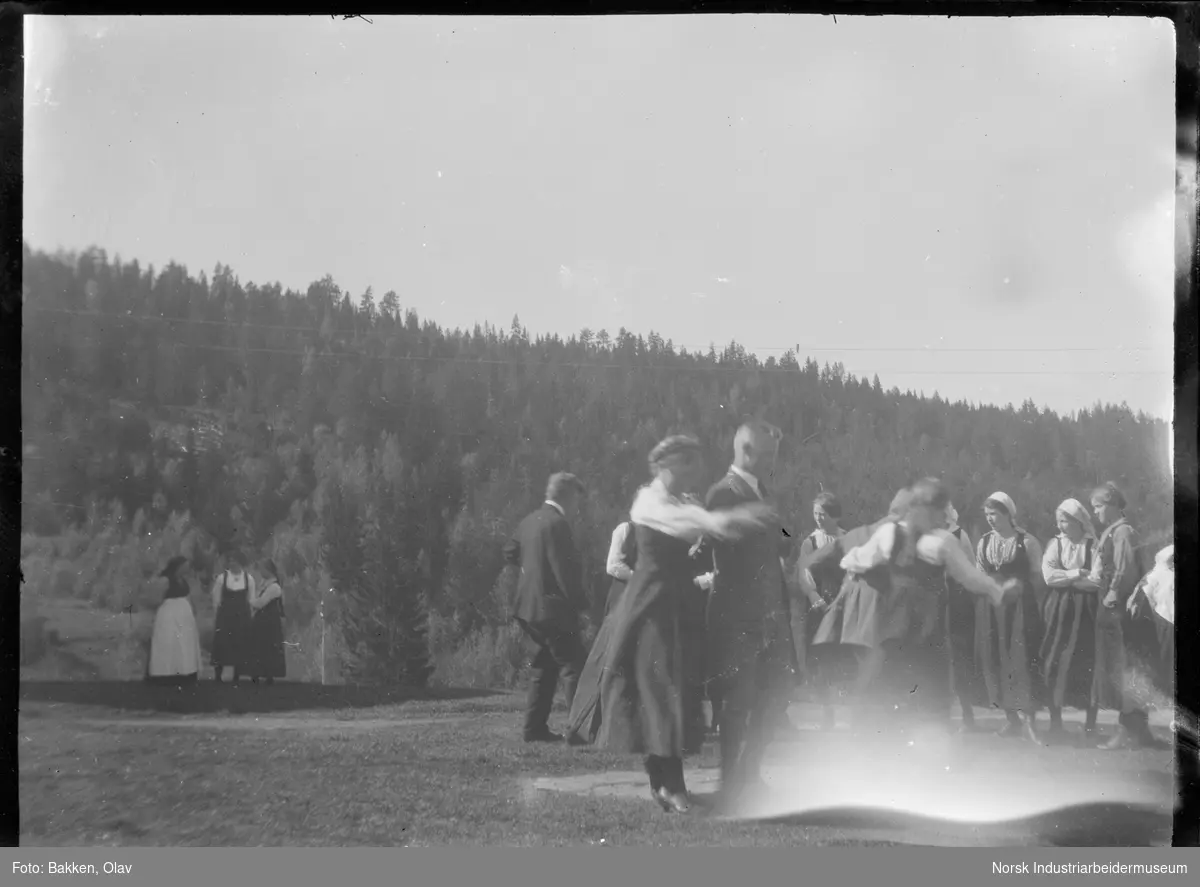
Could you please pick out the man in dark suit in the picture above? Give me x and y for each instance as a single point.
(752, 655)
(549, 600)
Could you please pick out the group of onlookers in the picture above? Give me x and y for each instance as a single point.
(248, 630)
(907, 611)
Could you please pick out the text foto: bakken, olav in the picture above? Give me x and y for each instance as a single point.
(70, 868)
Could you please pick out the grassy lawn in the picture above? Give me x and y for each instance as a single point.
(88, 782)
(119, 763)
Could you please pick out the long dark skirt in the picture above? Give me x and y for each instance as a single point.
(1007, 643)
(642, 694)
(827, 665)
(231, 637)
(267, 659)
(583, 724)
(1068, 649)
(966, 682)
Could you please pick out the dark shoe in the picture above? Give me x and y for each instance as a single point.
(546, 736)
(673, 802)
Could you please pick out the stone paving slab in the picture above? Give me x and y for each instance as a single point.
(979, 790)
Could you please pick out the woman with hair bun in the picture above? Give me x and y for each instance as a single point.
(1008, 637)
(643, 688)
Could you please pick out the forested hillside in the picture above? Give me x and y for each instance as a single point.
(378, 454)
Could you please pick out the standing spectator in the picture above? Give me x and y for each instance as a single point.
(231, 595)
(550, 599)
(826, 665)
(1008, 635)
(1116, 572)
(175, 644)
(267, 659)
(1068, 655)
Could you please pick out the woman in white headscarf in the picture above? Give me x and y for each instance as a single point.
(1068, 650)
(1008, 636)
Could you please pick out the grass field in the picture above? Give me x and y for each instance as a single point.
(107, 760)
(120, 763)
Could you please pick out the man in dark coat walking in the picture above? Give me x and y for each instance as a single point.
(752, 657)
(549, 600)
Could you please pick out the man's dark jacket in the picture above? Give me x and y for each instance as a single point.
(750, 643)
(550, 596)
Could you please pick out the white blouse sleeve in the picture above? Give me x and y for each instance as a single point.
(875, 551)
(616, 566)
(1052, 568)
(269, 594)
(658, 511)
(959, 566)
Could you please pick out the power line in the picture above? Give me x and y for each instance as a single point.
(796, 348)
(481, 361)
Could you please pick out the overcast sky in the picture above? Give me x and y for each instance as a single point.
(854, 188)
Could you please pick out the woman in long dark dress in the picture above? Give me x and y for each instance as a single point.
(643, 689)
(908, 562)
(267, 659)
(583, 723)
(175, 644)
(965, 679)
(1068, 652)
(231, 600)
(1008, 638)
(829, 665)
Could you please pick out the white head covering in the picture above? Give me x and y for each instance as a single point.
(1160, 559)
(1073, 508)
(1006, 500)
